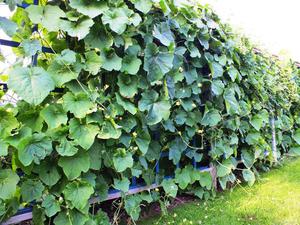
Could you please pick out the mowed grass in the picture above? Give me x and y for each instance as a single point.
(274, 200)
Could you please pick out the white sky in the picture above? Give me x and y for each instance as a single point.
(5, 50)
(274, 24)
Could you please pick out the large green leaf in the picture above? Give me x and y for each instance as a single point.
(176, 149)
(109, 130)
(143, 140)
(79, 28)
(128, 123)
(217, 87)
(190, 76)
(183, 177)
(170, 187)
(83, 134)
(128, 85)
(163, 33)
(48, 16)
(220, 148)
(233, 73)
(122, 185)
(3, 148)
(249, 176)
(32, 190)
(148, 98)
(93, 62)
(194, 51)
(66, 57)
(38, 215)
(51, 205)
(211, 117)
(132, 206)
(8, 122)
(8, 26)
(126, 104)
(206, 180)
(54, 115)
(224, 168)
(30, 117)
(157, 63)
(88, 8)
(20, 139)
(62, 71)
(117, 19)
(294, 151)
(79, 104)
(122, 162)
(31, 47)
(32, 84)
(248, 158)
(253, 138)
(99, 37)
(159, 111)
(8, 183)
(100, 218)
(143, 5)
(232, 105)
(78, 193)
(74, 165)
(96, 152)
(35, 149)
(71, 217)
(296, 136)
(256, 121)
(48, 173)
(66, 148)
(131, 64)
(101, 188)
(216, 69)
(111, 61)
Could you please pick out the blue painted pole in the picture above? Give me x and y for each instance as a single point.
(23, 5)
(16, 44)
(133, 181)
(35, 29)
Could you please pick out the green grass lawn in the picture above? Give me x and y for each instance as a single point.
(274, 200)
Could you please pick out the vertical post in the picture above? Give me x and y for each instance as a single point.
(274, 144)
(156, 137)
(156, 171)
(194, 161)
(133, 181)
(35, 29)
(213, 173)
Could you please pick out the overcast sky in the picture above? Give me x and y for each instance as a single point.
(274, 24)
(6, 51)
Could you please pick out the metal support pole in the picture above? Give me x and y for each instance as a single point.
(274, 144)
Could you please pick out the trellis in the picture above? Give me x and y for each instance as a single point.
(136, 186)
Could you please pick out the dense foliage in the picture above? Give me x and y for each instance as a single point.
(129, 80)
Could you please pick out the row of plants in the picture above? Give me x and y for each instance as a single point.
(127, 81)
